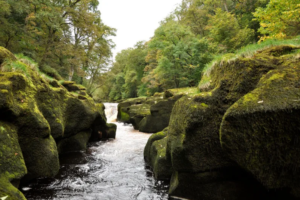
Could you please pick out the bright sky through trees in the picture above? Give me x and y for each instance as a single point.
(135, 20)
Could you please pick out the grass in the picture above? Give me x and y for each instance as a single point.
(15, 66)
(24, 64)
(245, 52)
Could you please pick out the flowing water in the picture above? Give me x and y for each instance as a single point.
(108, 170)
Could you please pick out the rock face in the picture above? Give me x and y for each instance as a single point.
(38, 120)
(149, 115)
(243, 131)
(155, 154)
(159, 116)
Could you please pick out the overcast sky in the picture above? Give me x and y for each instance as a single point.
(135, 20)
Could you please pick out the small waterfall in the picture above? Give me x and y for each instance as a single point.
(111, 112)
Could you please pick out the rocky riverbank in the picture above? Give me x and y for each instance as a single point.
(239, 137)
(40, 119)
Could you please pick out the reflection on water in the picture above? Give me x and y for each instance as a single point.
(113, 169)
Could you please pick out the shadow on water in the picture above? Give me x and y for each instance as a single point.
(112, 169)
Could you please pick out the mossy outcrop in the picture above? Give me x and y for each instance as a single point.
(261, 130)
(150, 115)
(159, 116)
(39, 119)
(250, 107)
(155, 154)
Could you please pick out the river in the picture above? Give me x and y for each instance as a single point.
(107, 170)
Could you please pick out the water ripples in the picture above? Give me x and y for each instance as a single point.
(108, 170)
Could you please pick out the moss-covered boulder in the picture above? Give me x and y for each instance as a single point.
(41, 157)
(261, 130)
(153, 138)
(137, 114)
(155, 155)
(76, 142)
(111, 130)
(244, 89)
(124, 108)
(159, 117)
(135, 109)
(19, 106)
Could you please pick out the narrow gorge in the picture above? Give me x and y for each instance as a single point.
(234, 137)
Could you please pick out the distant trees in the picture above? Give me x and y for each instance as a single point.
(180, 55)
(126, 73)
(183, 44)
(70, 37)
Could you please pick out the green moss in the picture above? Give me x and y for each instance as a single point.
(161, 164)
(204, 105)
(154, 137)
(124, 117)
(8, 190)
(258, 130)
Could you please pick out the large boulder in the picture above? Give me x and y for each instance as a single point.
(159, 116)
(18, 106)
(74, 143)
(137, 113)
(261, 130)
(155, 154)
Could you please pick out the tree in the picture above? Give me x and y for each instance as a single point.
(280, 19)
(225, 30)
(67, 35)
(180, 55)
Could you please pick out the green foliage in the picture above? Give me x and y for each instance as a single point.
(126, 73)
(280, 19)
(225, 30)
(180, 55)
(66, 38)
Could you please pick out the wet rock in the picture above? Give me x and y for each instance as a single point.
(74, 143)
(159, 117)
(155, 154)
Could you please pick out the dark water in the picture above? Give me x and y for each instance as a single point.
(108, 170)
